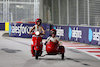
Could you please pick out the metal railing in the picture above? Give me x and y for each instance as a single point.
(60, 12)
(72, 12)
(13, 10)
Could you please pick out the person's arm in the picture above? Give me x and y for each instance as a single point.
(31, 29)
(59, 41)
(56, 40)
(43, 30)
(48, 39)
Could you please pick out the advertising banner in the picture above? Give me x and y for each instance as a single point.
(89, 35)
(78, 34)
(22, 30)
(94, 35)
(61, 31)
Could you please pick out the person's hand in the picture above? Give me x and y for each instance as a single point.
(29, 33)
(55, 41)
(60, 43)
(43, 33)
(49, 41)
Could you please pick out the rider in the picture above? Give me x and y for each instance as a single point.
(53, 37)
(36, 27)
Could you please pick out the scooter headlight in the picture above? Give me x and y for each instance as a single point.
(37, 32)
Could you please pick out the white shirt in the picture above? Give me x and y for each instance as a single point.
(38, 29)
(53, 39)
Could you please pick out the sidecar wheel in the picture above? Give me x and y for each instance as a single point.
(36, 54)
(62, 56)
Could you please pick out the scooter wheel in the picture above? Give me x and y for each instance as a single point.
(62, 56)
(36, 54)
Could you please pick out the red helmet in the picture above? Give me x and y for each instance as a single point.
(53, 31)
(38, 20)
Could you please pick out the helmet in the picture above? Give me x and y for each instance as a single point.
(52, 31)
(38, 20)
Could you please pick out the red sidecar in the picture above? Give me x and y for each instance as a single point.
(54, 49)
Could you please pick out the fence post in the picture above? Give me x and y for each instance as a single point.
(59, 12)
(67, 12)
(88, 12)
(77, 13)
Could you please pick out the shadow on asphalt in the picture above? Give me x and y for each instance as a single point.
(51, 61)
(5, 35)
(77, 61)
(10, 50)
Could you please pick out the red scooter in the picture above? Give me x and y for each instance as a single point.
(54, 49)
(36, 47)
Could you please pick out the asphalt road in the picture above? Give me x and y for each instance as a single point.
(15, 52)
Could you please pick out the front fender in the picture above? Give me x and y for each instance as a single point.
(36, 48)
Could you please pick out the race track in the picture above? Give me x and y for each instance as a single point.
(15, 52)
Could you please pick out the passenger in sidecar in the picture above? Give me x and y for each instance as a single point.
(52, 37)
(53, 46)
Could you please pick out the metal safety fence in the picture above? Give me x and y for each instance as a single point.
(72, 12)
(60, 12)
(16, 10)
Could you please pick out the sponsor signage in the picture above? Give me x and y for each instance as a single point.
(94, 35)
(19, 30)
(22, 30)
(75, 33)
(89, 35)
(59, 31)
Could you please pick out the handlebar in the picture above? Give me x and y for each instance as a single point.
(39, 34)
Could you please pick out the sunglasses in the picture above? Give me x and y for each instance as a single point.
(39, 21)
(53, 32)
